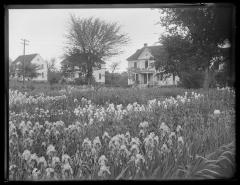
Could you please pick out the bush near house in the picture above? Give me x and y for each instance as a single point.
(116, 79)
(54, 77)
(191, 80)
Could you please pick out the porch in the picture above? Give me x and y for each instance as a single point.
(144, 79)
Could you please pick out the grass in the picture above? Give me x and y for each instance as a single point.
(102, 95)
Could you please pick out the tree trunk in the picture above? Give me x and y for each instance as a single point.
(89, 74)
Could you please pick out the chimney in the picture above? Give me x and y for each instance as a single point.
(145, 44)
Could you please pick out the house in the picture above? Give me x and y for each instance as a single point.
(26, 60)
(142, 71)
(75, 72)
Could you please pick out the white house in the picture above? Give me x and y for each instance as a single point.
(98, 72)
(142, 71)
(33, 59)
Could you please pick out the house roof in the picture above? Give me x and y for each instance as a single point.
(154, 50)
(65, 61)
(26, 58)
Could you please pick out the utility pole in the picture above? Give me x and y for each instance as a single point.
(25, 42)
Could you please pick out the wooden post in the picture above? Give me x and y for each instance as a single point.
(23, 62)
(147, 78)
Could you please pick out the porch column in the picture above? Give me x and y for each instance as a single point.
(147, 78)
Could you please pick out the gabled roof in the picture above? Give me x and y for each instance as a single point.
(154, 50)
(27, 58)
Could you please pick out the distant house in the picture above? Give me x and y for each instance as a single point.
(75, 72)
(142, 71)
(33, 59)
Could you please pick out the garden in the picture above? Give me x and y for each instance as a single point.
(121, 133)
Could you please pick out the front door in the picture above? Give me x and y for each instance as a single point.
(145, 78)
(149, 78)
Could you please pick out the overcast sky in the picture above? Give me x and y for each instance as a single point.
(45, 29)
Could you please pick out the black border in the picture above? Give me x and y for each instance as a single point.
(60, 4)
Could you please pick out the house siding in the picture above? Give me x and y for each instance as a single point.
(36, 60)
(39, 61)
(96, 73)
(147, 75)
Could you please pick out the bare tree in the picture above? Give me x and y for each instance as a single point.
(51, 65)
(90, 41)
(113, 67)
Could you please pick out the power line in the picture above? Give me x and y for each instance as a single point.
(25, 42)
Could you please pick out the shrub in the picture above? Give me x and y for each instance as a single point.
(80, 81)
(222, 79)
(53, 77)
(192, 80)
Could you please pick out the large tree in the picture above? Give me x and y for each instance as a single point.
(198, 32)
(90, 41)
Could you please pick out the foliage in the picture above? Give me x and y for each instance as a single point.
(62, 137)
(29, 70)
(80, 81)
(54, 77)
(203, 28)
(123, 80)
(11, 67)
(179, 58)
(191, 80)
(113, 95)
(66, 68)
(90, 40)
(116, 79)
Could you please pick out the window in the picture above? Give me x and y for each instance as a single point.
(100, 76)
(151, 65)
(42, 75)
(135, 64)
(42, 66)
(146, 64)
(136, 78)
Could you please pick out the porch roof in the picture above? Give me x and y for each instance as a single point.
(138, 70)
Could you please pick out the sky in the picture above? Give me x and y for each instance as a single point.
(45, 30)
